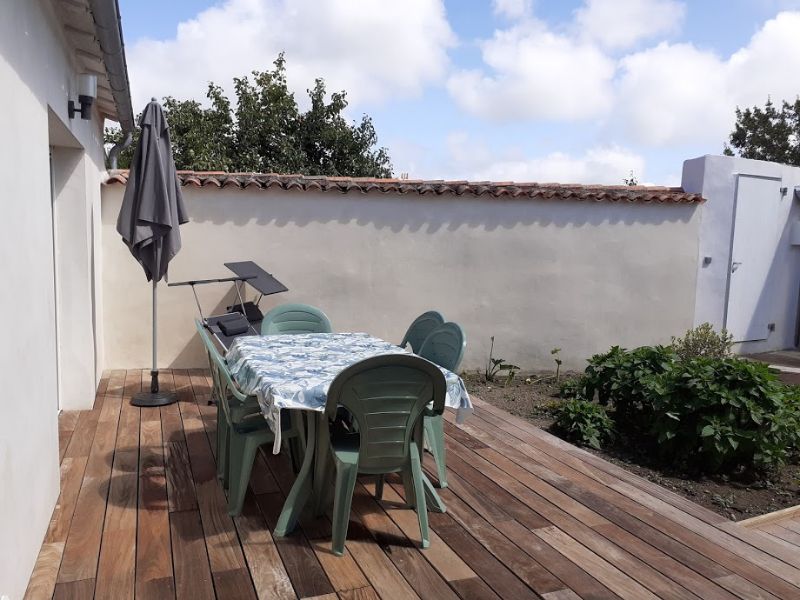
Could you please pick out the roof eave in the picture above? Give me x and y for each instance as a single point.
(108, 27)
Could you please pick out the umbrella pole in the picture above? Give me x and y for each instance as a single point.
(155, 397)
(154, 370)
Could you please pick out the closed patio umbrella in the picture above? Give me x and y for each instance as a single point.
(152, 211)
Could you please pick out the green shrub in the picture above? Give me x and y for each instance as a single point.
(573, 388)
(584, 422)
(714, 414)
(625, 379)
(724, 414)
(703, 341)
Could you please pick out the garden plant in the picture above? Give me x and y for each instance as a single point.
(691, 403)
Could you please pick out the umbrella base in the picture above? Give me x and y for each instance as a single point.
(153, 398)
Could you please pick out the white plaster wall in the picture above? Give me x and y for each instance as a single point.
(536, 274)
(715, 178)
(35, 73)
(72, 177)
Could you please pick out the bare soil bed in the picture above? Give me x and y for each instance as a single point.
(534, 398)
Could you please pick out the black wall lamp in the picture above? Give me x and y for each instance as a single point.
(87, 92)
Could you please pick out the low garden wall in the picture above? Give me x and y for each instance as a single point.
(575, 271)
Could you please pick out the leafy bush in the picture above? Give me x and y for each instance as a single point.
(625, 378)
(703, 341)
(584, 422)
(716, 414)
(725, 414)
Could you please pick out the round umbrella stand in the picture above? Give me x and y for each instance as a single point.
(154, 397)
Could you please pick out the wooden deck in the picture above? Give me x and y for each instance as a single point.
(141, 514)
(783, 527)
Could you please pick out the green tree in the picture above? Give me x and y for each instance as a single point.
(266, 132)
(768, 133)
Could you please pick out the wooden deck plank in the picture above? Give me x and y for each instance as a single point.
(117, 564)
(180, 487)
(528, 515)
(153, 551)
(304, 570)
(43, 579)
(193, 579)
(270, 579)
(364, 593)
(224, 551)
(82, 548)
(74, 590)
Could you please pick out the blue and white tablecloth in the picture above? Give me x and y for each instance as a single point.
(295, 371)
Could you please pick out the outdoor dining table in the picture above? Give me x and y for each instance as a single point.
(294, 372)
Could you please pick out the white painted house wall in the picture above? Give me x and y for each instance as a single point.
(37, 75)
(718, 179)
(535, 274)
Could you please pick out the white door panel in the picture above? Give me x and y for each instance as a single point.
(755, 239)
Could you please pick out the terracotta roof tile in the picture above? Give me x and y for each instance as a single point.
(504, 189)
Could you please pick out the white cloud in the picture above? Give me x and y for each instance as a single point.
(600, 165)
(769, 64)
(473, 159)
(374, 49)
(623, 23)
(663, 95)
(674, 94)
(536, 74)
(511, 9)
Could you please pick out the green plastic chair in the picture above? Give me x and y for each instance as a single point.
(386, 397)
(295, 318)
(445, 347)
(241, 428)
(420, 329)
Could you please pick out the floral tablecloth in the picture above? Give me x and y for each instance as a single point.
(295, 371)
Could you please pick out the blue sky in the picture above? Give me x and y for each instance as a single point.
(569, 90)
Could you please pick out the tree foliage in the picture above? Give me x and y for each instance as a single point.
(266, 132)
(770, 133)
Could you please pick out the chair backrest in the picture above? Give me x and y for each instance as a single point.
(295, 318)
(386, 395)
(421, 328)
(224, 386)
(445, 346)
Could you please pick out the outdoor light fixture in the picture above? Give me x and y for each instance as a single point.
(87, 92)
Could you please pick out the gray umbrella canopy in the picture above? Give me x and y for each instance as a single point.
(152, 209)
(150, 218)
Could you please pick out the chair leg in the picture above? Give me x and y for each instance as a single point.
(379, 487)
(222, 442)
(434, 434)
(345, 485)
(322, 468)
(419, 493)
(408, 488)
(296, 454)
(243, 455)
